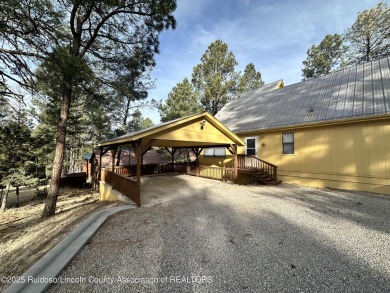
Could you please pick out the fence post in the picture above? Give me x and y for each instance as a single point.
(235, 162)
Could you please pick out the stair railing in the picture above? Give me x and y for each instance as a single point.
(252, 162)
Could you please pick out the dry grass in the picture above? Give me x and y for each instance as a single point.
(25, 237)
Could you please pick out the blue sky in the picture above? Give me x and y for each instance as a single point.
(272, 34)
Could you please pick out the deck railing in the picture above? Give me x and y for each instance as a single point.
(146, 169)
(123, 184)
(252, 162)
(219, 173)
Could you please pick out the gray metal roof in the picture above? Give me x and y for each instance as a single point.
(359, 91)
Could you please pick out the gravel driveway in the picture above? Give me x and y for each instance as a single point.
(231, 238)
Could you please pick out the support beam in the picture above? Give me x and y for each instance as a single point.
(138, 155)
(197, 152)
(173, 159)
(102, 152)
(147, 146)
(230, 149)
(113, 153)
(100, 164)
(235, 162)
(172, 153)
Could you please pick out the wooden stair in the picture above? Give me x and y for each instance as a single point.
(264, 178)
(260, 170)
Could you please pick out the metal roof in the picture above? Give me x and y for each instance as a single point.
(359, 91)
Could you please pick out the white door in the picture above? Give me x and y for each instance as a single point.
(251, 146)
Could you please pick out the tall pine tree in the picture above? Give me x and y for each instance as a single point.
(369, 36)
(325, 57)
(250, 80)
(215, 77)
(85, 34)
(182, 101)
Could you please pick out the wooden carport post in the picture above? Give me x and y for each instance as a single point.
(233, 151)
(102, 152)
(235, 162)
(113, 153)
(172, 153)
(197, 152)
(138, 154)
(100, 164)
(140, 150)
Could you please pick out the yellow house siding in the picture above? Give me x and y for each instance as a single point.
(192, 132)
(349, 156)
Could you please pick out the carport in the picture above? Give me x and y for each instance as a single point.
(196, 132)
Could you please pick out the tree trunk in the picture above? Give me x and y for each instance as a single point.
(5, 198)
(124, 124)
(51, 200)
(368, 49)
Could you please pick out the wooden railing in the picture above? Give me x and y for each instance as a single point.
(254, 163)
(219, 173)
(124, 170)
(123, 184)
(146, 169)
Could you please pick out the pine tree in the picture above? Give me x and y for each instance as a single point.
(325, 57)
(215, 78)
(69, 36)
(250, 80)
(182, 101)
(138, 122)
(369, 36)
(16, 158)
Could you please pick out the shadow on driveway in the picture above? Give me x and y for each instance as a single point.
(230, 238)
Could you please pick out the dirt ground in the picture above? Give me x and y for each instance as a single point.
(25, 237)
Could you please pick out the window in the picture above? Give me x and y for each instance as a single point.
(215, 152)
(251, 146)
(288, 143)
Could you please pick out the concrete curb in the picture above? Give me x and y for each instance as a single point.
(39, 277)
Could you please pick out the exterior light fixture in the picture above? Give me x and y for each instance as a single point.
(202, 123)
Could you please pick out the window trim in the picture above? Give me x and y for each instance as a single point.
(256, 144)
(214, 156)
(288, 143)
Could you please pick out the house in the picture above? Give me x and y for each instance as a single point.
(332, 131)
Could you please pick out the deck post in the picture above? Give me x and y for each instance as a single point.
(138, 155)
(173, 159)
(113, 153)
(235, 163)
(276, 175)
(100, 164)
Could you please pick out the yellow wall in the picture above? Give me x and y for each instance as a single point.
(352, 156)
(192, 134)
